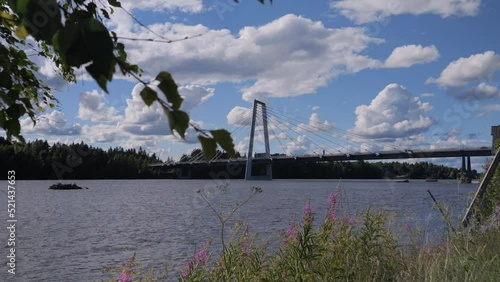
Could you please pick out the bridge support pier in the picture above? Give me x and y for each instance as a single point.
(463, 164)
(269, 170)
(466, 169)
(469, 170)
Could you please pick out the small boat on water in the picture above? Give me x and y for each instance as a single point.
(403, 181)
(60, 186)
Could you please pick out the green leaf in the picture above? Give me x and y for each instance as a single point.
(2, 119)
(148, 96)
(178, 121)
(209, 147)
(224, 139)
(22, 140)
(91, 7)
(84, 41)
(7, 17)
(69, 44)
(133, 68)
(5, 78)
(122, 55)
(114, 3)
(15, 111)
(100, 48)
(13, 127)
(21, 31)
(42, 19)
(169, 88)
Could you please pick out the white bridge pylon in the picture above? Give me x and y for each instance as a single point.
(269, 171)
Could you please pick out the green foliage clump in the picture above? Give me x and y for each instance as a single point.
(491, 198)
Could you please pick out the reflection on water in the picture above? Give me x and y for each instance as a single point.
(73, 235)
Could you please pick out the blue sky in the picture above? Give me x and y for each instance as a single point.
(408, 74)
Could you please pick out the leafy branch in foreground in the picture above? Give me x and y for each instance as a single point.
(72, 34)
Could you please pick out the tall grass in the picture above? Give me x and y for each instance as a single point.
(364, 247)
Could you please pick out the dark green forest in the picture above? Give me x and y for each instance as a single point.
(336, 170)
(39, 160)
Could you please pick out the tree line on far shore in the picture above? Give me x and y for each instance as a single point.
(39, 160)
(336, 170)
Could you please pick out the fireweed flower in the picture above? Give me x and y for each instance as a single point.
(332, 201)
(407, 226)
(188, 269)
(291, 232)
(351, 220)
(243, 242)
(244, 248)
(201, 257)
(124, 277)
(308, 216)
(487, 166)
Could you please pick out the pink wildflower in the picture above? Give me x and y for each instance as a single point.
(332, 215)
(188, 269)
(487, 166)
(332, 201)
(351, 220)
(407, 227)
(202, 257)
(243, 242)
(244, 248)
(291, 231)
(124, 277)
(308, 216)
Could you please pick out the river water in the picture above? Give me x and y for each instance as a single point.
(73, 235)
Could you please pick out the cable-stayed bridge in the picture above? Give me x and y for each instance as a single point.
(266, 136)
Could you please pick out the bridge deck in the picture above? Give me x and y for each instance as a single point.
(387, 155)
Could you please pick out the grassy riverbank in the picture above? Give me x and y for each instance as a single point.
(343, 250)
(368, 246)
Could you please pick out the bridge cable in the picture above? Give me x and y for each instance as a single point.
(349, 133)
(303, 126)
(301, 135)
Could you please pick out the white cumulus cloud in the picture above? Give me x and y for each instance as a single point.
(463, 71)
(406, 56)
(290, 56)
(143, 120)
(193, 6)
(92, 107)
(101, 133)
(393, 113)
(194, 95)
(315, 125)
(479, 92)
(239, 116)
(488, 109)
(364, 11)
(53, 123)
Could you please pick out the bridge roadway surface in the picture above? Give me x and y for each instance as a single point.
(387, 155)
